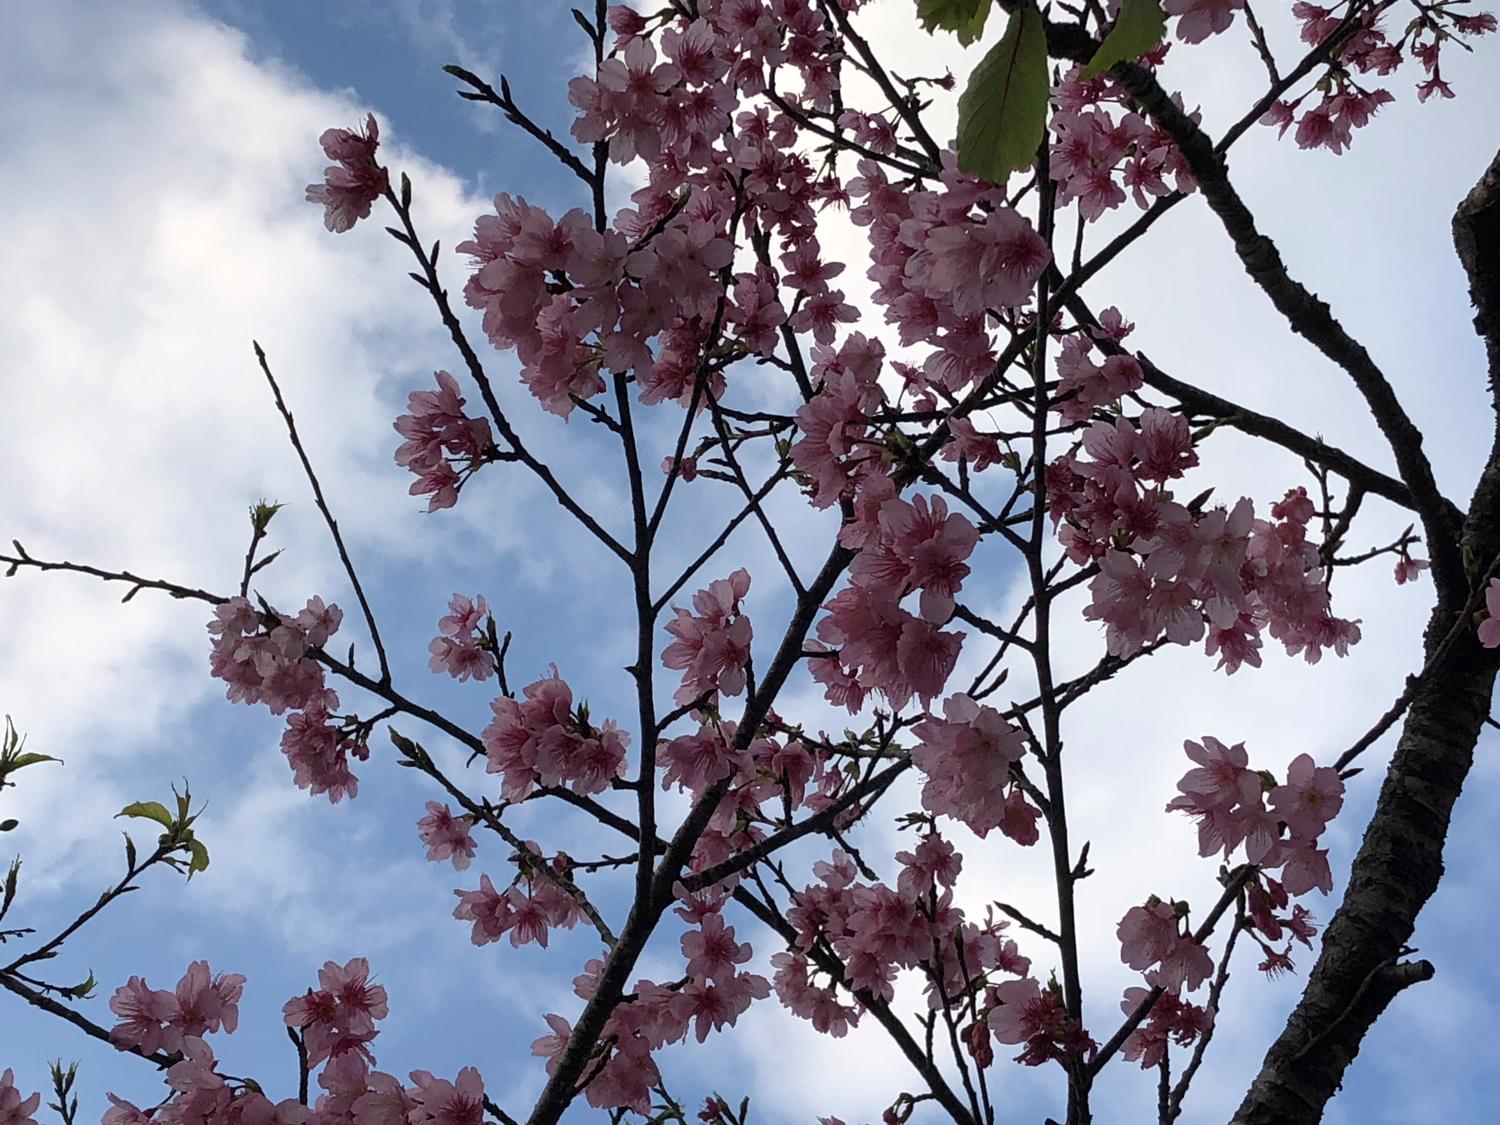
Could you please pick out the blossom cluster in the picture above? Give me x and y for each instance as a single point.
(447, 836)
(877, 930)
(355, 181)
(333, 1025)
(268, 658)
(540, 740)
(943, 263)
(444, 447)
(528, 910)
(1168, 570)
(711, 645)
(967, 757)
(458, 649)
(905, 547)
(1101, 149)
(1344, 103)
(153, 1019)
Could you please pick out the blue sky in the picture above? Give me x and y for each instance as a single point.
(156, 158)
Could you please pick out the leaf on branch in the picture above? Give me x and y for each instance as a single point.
(10, 886)
(148, 810)
(81, 991)
(965, 18)
(199, 861)
(1139, 27)
(9, 825)
(265, 510)
(1002, 114)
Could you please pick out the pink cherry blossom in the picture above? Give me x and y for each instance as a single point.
(1489, 628)
(14, 1109)
(446, 836)
(1198, 19)
(351, 186)
(440, 1102)
(1311, 797)
(967, 758)
(712, 643)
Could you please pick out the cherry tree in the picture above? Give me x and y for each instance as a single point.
(980, 412)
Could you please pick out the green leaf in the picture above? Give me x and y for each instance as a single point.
(82, 991)
(200, 857)
(1002, 114)
(1139, 27)
(965, 18)
(148, 810)
(29, 759)
(10, 886)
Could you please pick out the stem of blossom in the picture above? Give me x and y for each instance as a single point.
(322, 504)
(1041, 655)
(901, 105)
(20, 559)
(484, 92)
(645, 620)
(1027, 924)
(295, 1036)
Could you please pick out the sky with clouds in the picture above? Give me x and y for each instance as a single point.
(156, 155)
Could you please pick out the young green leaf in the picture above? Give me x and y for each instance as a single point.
(10, 886)
(148, 810)
(200, 857)
(965, 18)
(1002, 114)
(1139, 27)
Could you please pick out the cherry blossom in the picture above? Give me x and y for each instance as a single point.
(351, 186)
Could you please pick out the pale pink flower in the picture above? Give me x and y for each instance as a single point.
(489, 910)
(1311, 797)
(355, 182)
(14, 1109)
(440, 1102)
(1198, 19)
(446, 836)
(711, 951)
(713, 1004)
(712, 643)
(143, 1012)
(1304, 867)
(967, 758)
(1489, 628)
